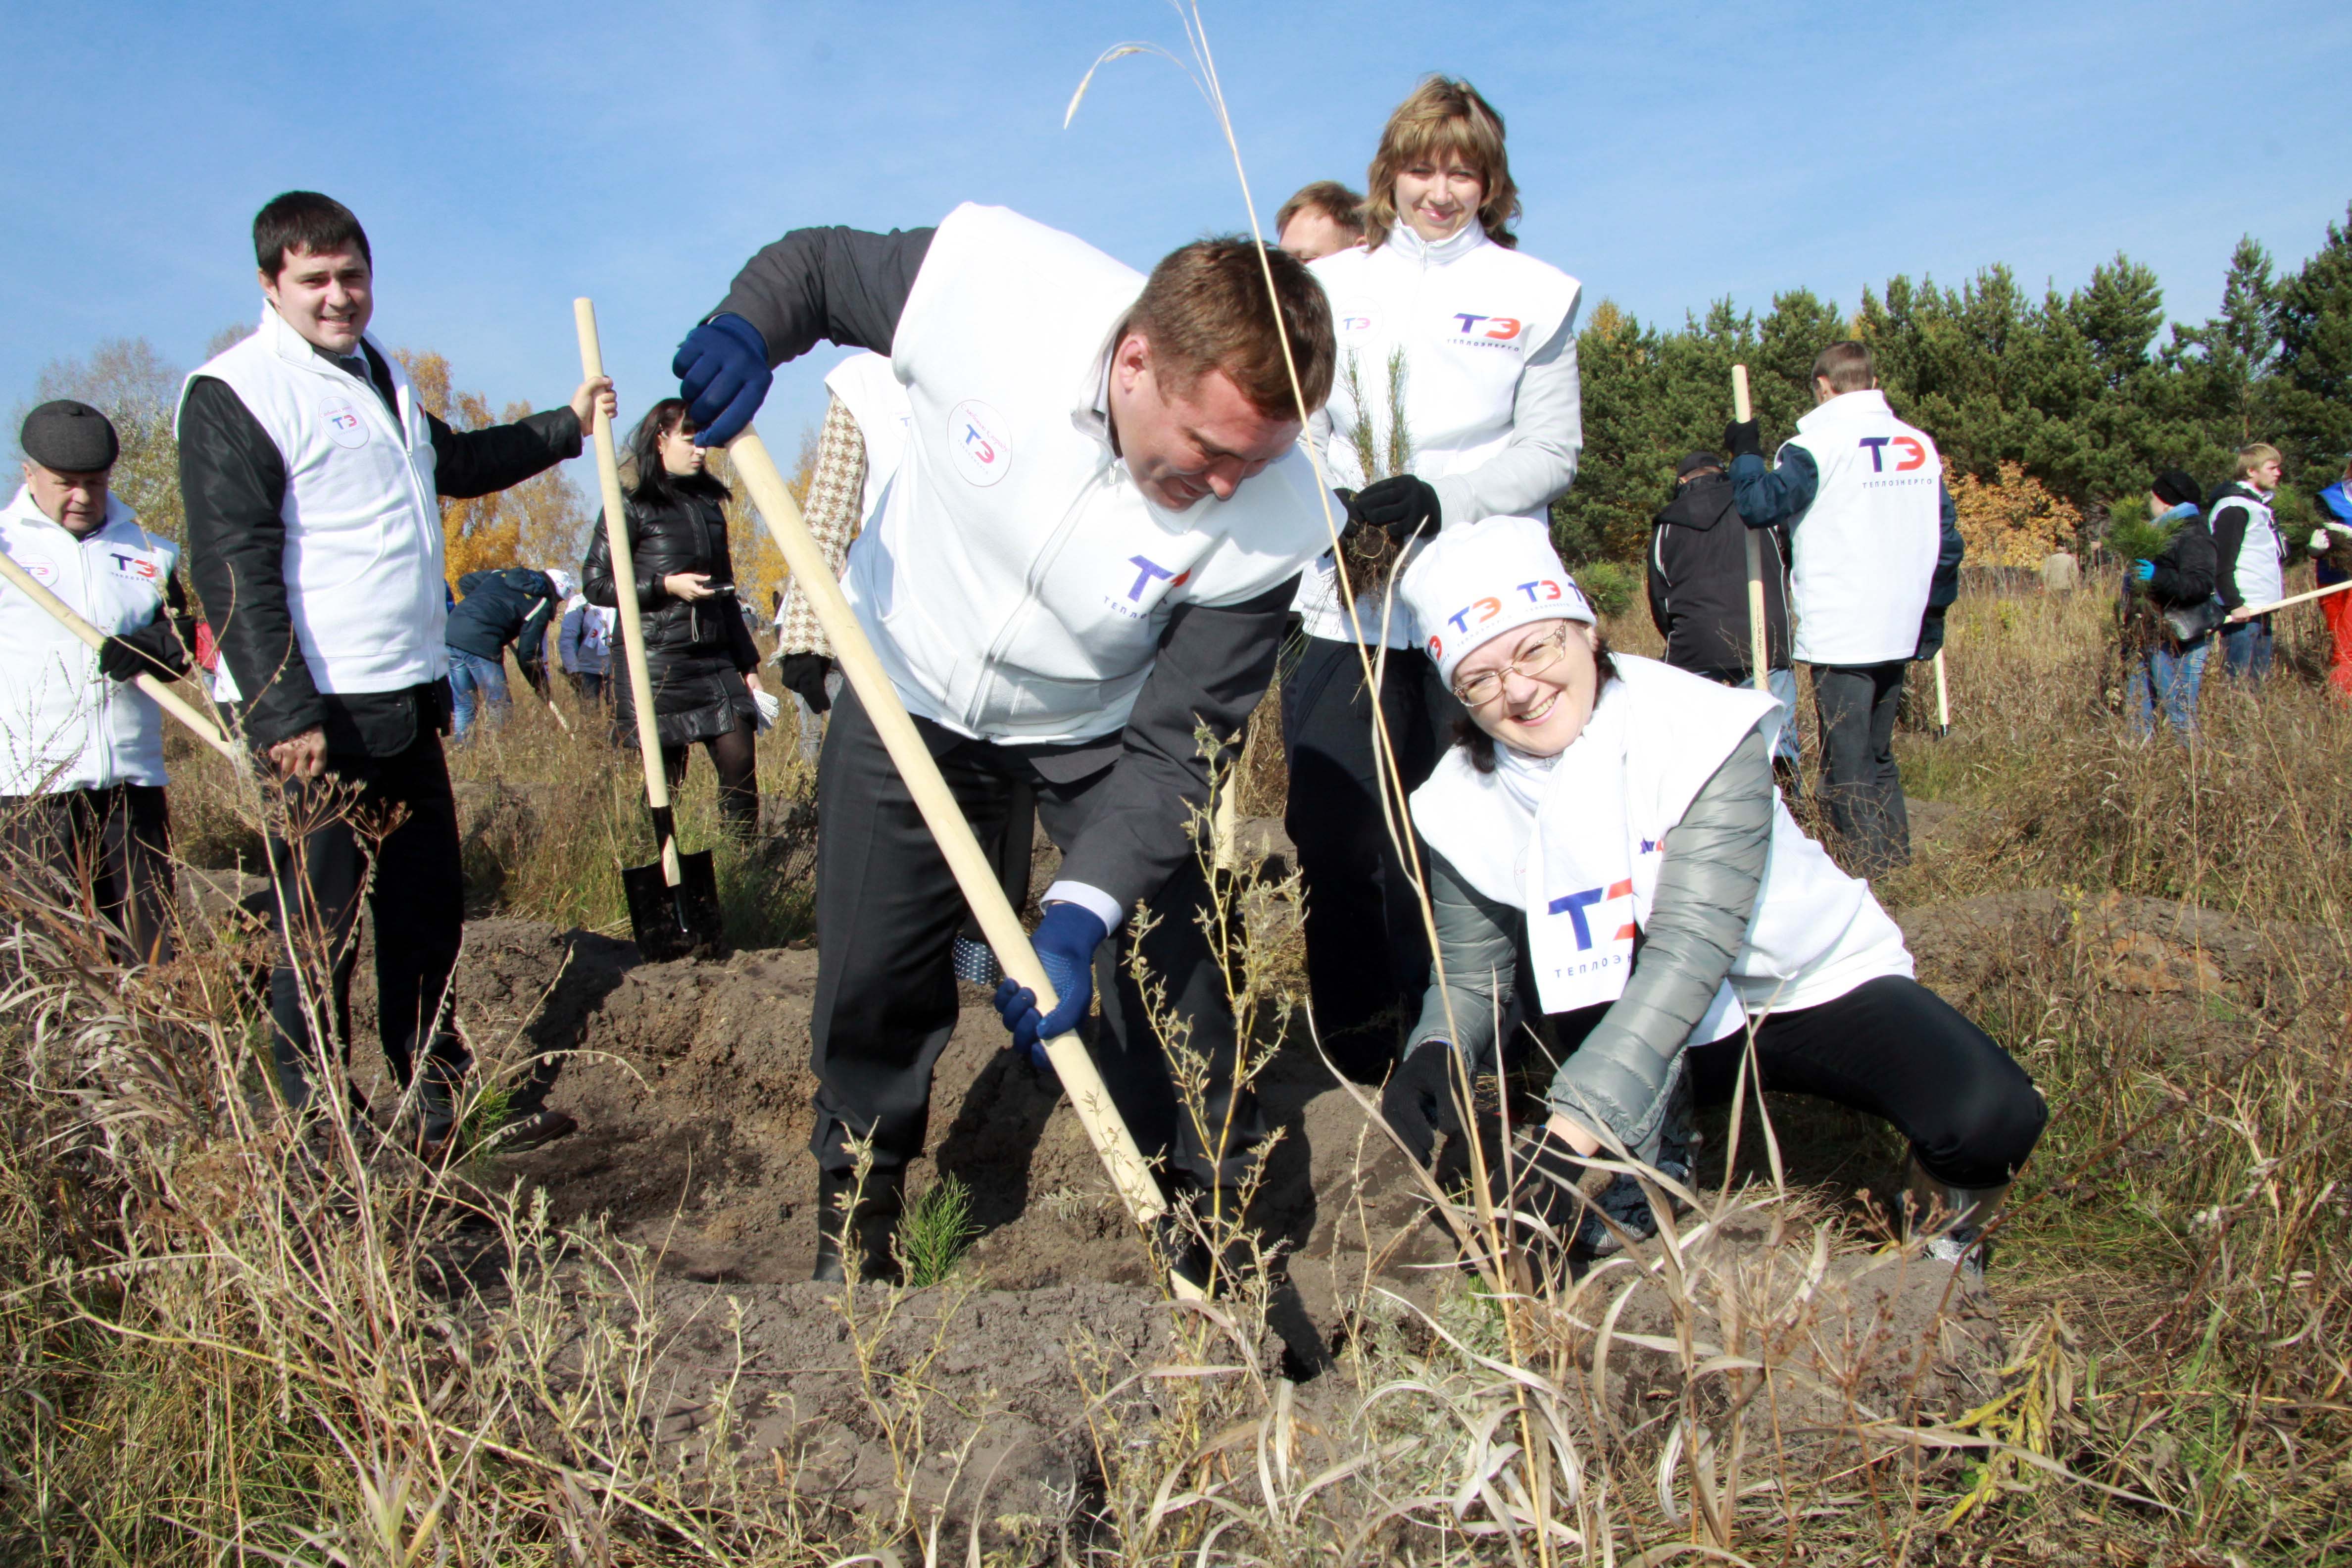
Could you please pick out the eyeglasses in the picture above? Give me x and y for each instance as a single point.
(1487, 684)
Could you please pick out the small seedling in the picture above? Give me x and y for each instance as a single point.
(936, 1233)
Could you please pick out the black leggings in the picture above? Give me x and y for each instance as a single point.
(1893, 1048)
(735, 755)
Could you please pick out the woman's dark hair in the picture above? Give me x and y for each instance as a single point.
(652, 483)
(1481, 745)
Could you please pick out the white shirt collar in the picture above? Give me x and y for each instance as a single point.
(1453, 248)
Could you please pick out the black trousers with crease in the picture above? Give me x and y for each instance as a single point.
(1860, 788)
(1367, 948)
(115, 843)
(396, 817)
(888, 910)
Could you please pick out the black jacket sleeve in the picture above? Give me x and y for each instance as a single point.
(1213, 665)
(2184, 572)
(167, 642)
(530, 642)
(232, 485)
(1657, 578)
(596, 567)
(470, 463)
(1944, 587)
(2229, 535)
(745, 648)
(843, 285)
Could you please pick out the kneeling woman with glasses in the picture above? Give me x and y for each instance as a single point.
(1618, 819)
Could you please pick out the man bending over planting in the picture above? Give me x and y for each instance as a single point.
(1086, 557)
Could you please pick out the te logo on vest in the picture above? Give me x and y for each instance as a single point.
(1487, 331)
(1574, 905)
(1147, 573)
(1915, 455)
(134, 566)
(976, 439)
(345, 428)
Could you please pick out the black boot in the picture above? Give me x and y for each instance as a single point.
(879, 1201)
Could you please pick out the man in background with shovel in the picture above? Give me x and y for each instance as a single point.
(308, 469)
(1084, 560)
(81, 750)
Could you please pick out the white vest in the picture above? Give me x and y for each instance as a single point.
(1016, 582)
(363, 549)
(1466, 313)
(1865, 552)
(63, 725)
(867, 388)
(1816, 932)
(2261, 573)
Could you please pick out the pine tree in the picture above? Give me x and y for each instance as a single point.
(2312, 392)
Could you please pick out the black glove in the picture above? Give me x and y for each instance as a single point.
(1744, 439)
(152, 650)
(1404, 507)
(1545, 1211)
(804, 674)
(1419, 1101)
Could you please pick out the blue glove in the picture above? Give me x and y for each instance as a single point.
(2143, 570)
(1065, 943)
(722, 373)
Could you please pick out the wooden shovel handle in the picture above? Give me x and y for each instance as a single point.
(169, 700)
(625, 591)
(973, 872)
(1758, 645)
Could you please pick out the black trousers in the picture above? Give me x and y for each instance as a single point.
(1861, 789)
(1896, 1049)
(589, 684)
(1367, 948)
(394, 815)
(116, 844)
(887, 909)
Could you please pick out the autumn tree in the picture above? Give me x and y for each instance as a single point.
(540, 522)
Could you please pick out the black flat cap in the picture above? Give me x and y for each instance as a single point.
(1695, 462)
(69, 437)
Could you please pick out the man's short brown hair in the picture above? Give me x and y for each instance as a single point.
(1205, 308)
(1329, 197)
(1846, 367)
(2252, 455)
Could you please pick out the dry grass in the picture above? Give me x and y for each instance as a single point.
(230, 1340)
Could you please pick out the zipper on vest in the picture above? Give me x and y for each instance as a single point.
(1039, 565)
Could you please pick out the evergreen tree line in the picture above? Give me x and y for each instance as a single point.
(2075, 391)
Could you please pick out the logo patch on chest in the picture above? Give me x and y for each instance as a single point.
(976, 438)
(345, 427)
(132, 565)
(1469, 329)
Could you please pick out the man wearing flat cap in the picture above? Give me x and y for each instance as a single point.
(309, 469)
(82, 748)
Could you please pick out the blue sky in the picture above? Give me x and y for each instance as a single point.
(506, 158)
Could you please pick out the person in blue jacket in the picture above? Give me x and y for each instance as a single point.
(497, 607)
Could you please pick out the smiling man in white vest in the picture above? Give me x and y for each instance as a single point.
(81, 749)
(309, 470)
(1874, 558)
(1085, 558)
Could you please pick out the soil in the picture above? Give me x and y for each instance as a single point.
(691, 1087)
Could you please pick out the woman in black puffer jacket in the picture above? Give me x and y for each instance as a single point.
(699, 651)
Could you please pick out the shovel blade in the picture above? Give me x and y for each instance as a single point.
(670, 922)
